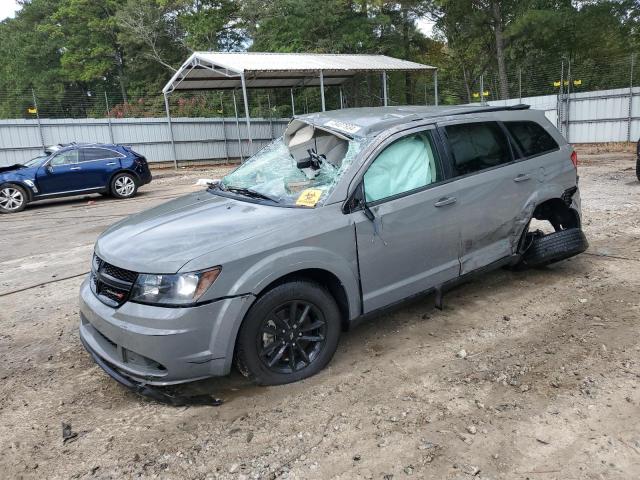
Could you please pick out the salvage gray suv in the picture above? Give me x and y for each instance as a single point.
(349, 212)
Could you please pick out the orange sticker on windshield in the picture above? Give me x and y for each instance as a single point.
(309, 197)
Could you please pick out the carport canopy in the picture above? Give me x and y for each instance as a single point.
(246, 70)
(225, 70)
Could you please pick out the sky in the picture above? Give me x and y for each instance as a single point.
(9, 7)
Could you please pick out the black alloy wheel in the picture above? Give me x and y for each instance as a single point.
(291, 336)
(291, 332)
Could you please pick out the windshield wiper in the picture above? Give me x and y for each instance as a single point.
(249, 193)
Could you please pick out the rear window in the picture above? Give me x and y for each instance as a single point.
(531, 137)
(90, 154)
(477, 146)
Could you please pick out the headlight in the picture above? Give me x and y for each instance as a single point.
(180, 289)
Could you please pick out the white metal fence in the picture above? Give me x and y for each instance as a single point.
(589, 117)
(195, 139)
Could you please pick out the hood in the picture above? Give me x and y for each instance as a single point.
(164, 238)
(10, 168)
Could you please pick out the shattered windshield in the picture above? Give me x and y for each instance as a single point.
(295, 170)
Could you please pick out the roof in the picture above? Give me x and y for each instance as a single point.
(222, 70)
(368, 121)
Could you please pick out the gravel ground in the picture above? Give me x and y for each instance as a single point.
(523, 375)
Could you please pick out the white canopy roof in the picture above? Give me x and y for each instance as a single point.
(223, 70)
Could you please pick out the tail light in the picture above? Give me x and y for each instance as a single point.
(574, 159)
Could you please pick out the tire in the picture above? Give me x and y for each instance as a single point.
(13, 198)
(123, 185)
(267, 335)
(553, 247)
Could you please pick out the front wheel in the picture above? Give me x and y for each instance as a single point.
(290, 333)
(123, 185)
(13, 199)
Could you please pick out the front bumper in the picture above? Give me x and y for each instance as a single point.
(158, 345)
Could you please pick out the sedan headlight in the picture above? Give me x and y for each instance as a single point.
(179, 289)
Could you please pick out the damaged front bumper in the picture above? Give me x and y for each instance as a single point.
(157, 345)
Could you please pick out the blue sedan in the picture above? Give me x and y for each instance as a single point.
(75, 169)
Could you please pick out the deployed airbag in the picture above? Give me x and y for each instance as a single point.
(404, 165)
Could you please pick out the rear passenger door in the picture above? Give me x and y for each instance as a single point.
(492, 189)
(98, 165)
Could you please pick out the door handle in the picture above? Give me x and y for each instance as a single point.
(523, 177)
(445, 201)
(75, 168)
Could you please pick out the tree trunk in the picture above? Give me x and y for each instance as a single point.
(499, 37)
(466, 84)
(406, 41)
(121, 77)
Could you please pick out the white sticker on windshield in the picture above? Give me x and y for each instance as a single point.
(342, 126)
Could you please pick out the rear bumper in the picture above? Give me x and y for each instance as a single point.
(157, 345)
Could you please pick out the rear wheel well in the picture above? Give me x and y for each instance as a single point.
(124, 170)
(325, 278)
(560, 215)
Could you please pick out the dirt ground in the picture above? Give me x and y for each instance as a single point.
(548, 388)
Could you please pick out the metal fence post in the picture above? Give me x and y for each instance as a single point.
(482, 89)
(173, 143)
(235, 108)
(384, 88)
(35, 105)
(630, 108)
(106, 102)
(435, 87)
(270, 117)
(224, 129)
(322, 90)
(568, 107)
(293, 105)
(560, 101)
(520, 84)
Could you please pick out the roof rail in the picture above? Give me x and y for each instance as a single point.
(491, 108)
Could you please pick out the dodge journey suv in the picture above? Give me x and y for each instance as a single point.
(349, 212)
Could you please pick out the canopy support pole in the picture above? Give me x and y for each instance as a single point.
(341, 102)
(235, 109)
(293, 105)
(384, 88)
(322, 90)
(435, 87)
(247, 114)
(173, 143)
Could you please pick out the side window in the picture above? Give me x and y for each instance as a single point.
(531, 138)
(477, 146)
(406, 164)
(89, 154)
(65, 158)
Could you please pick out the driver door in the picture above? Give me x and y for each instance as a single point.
(410, 244)
(61, 174)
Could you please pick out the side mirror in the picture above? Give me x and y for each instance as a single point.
(49, 168)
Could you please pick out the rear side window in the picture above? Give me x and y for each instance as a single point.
(477, 146)
(89, 154)
(531, 137)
